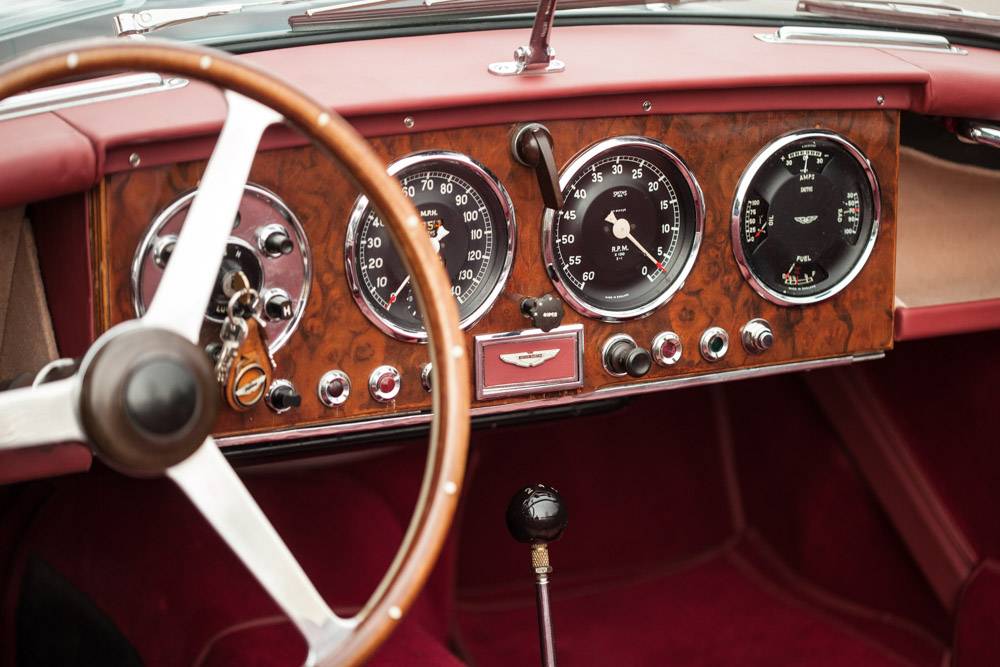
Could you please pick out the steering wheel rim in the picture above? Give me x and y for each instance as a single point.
(435, 507)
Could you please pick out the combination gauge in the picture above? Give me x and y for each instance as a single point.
(805, 217)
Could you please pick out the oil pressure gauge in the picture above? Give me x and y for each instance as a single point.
(805, 217)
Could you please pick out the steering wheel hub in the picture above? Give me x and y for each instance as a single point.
(147, 400)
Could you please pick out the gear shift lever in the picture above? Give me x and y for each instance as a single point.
(537, 516)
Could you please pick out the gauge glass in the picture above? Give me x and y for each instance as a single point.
(470, 220)
(629, 231)
(805, 217)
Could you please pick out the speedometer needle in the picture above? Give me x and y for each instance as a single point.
(395, 295)
(622, 230)
(439, 234)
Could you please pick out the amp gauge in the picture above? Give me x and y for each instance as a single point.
(805, 217)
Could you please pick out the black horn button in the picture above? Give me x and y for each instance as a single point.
(161, 396)
(148, 399)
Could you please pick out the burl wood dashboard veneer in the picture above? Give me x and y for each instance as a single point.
(334, 334)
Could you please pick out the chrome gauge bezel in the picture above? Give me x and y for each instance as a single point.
(743, 187)
(357, 215)
(568, 174)
(302, 282)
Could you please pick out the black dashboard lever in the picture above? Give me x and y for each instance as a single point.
(531, 145)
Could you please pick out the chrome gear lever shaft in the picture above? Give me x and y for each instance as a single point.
(537, 516)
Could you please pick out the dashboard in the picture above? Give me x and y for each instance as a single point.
(688, 248)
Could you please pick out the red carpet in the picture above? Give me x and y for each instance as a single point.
(721, 611)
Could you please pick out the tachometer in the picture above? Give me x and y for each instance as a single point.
(805, 217)
(470, 220)
(629, 231)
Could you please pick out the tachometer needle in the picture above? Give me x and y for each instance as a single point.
(623, 230)
(395, 295)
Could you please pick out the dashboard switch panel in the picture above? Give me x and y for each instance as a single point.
(529, 362)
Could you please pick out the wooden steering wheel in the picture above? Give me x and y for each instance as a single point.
(145, 397)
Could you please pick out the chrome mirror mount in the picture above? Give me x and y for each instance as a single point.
(538, 57)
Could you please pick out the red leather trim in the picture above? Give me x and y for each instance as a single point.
(947, 319)
(963, 86)
(452, 75)
(19, 465)
(680, 68)
(869, 430)
(62, 237)
(43, 157)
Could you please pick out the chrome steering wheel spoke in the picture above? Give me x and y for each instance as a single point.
(213, 487)
(42, 415)
(187, 283)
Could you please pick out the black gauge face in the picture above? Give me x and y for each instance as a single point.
(805, 217)
(469, 219)
(629, 230)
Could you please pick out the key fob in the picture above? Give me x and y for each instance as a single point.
(251, 372)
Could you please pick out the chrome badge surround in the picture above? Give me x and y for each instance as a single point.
(534, 340)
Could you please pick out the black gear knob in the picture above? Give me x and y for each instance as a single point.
(536, 514)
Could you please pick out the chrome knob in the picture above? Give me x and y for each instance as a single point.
(425, 377)
(667, 348)
(714, 343)
(274, 241)
(384, 384)
(622, 356)
(334, 388)
(757, 336)
(282, 397)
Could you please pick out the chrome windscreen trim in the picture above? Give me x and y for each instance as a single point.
(417, 418)
(878, 39)
(86, 92)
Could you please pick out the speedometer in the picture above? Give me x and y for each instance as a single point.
(805, 217)
(629, 231)
(470, 220)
